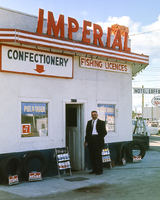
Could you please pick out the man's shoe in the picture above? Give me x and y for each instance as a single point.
(92, 172)
(99, 173)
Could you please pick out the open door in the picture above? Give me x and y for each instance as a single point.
(73, 135)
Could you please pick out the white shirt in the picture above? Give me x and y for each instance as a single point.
(94, 131)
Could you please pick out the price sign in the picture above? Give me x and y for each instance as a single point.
(13, 180)
(35, 176)
(124, 161)
(137, 158)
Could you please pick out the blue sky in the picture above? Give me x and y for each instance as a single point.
(145, 12)
(141, 16)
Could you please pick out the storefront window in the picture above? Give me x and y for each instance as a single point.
(106, 112)
(34, 119)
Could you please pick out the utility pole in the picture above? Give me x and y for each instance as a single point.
(142, 102)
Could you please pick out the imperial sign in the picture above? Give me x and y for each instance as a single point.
(73, 27)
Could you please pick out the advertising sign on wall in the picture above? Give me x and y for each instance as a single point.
(33, 108)
(106, 113)
(27, 61)
(26, 128)
(146, 90)
(104, 65)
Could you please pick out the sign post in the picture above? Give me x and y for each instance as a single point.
(142, 102)
(155, 101)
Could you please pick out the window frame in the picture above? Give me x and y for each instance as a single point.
(34, 100)
(115, 132)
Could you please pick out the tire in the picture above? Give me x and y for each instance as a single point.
(121, 152)
(10, 165)
(130, 149)
(34, 157)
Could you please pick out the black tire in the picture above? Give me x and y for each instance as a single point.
(34, 156)
(121, 152)
(10, 165)
(130, 149)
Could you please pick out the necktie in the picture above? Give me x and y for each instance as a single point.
(92, 124)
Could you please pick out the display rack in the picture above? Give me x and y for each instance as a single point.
(63, 160)
(106, 156)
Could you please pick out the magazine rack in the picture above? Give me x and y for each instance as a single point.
(106, 156)
(63, 160)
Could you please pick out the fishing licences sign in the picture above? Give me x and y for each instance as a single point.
(27, 61)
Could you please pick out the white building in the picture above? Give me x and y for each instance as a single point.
(50, 85)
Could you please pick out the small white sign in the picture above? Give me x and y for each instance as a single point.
(42, 63)
(146, 90)
(124, 161)
(26, 128)
(136, 158)
(35, 176)
(104, 65)
(12, 180)
(156, 101)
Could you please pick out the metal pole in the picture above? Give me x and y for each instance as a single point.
(142, 102)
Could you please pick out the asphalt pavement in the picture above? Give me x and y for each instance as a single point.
(147, 169)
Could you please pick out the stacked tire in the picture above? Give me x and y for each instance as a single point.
(121, 153)
(131, 146)
(41, 163)
(12, 165)
(127, 151)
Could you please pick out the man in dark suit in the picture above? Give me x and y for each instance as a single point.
(95, 133)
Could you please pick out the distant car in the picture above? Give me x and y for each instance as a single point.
(153, 130)
(153, 124)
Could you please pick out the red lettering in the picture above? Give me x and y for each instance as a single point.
(56, 28)
(73, 26)
(106, 65)
(97, 36)
(72, 29)
(113, 66)
(126, 48)
(82, 61)
(88, 62)
(40, 21)
(92, 63)
(125, 68)
(86, 31)
(109, 37)
(97, 63)
(117, 40)
(116, 66)
(101, 64)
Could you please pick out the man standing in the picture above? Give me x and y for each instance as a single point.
(95, 133)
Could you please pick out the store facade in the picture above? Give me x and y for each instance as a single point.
(53, 75)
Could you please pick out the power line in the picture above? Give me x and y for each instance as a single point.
(146, 81)
(144, 32)
(147, 75)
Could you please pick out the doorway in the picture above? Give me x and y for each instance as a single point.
(74, 135)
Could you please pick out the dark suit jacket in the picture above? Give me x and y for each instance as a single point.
(101, 130)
